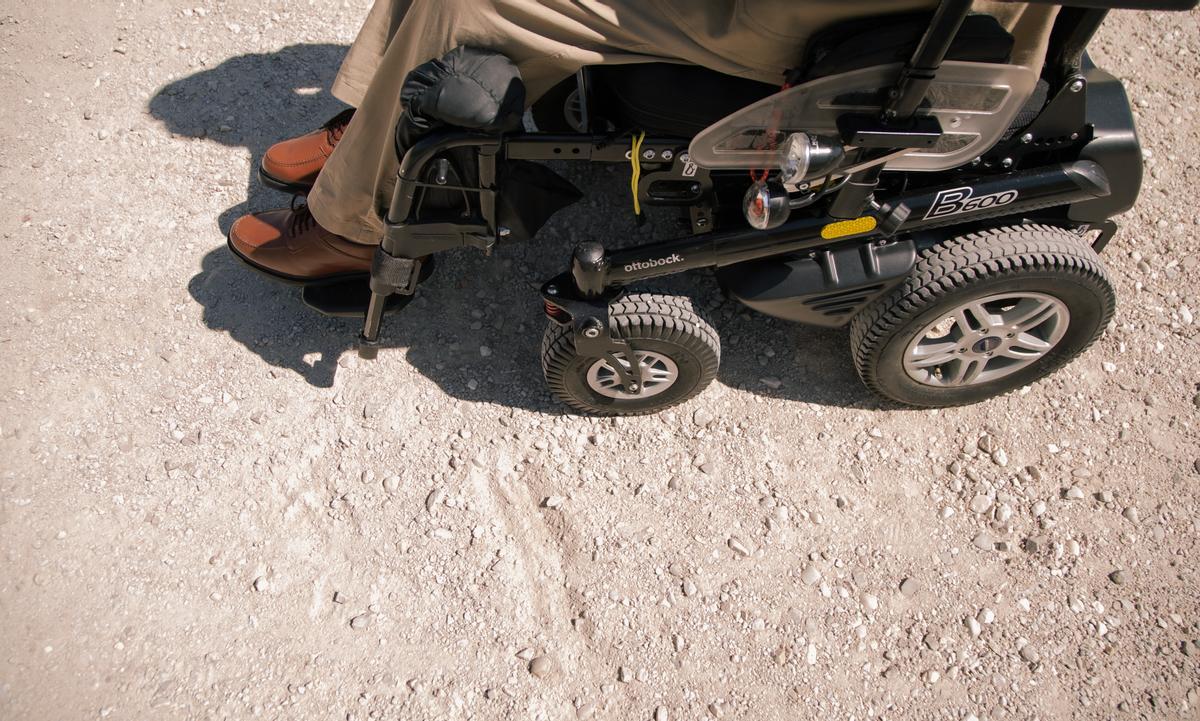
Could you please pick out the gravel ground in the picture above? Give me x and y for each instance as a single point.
(210, 509)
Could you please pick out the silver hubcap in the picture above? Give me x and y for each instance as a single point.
(985, 339)
(658, 374)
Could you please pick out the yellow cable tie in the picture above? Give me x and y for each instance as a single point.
(635, 153)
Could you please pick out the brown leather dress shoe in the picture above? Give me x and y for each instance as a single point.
(292, 165)
(287, 244)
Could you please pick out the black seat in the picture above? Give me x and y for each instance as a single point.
(681, 100)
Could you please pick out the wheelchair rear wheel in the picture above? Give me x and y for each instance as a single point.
(677, 351)
(983, 314)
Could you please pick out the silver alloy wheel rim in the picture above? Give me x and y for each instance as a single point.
(986, 339)
(658, 374)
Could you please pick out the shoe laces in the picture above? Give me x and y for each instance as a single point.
(335, 126)
(302, 218)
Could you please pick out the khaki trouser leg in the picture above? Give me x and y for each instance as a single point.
(549, 40)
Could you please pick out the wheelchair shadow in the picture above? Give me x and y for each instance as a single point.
(472, 301)
(253, 101)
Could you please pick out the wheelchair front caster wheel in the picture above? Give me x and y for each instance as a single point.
(678, 352)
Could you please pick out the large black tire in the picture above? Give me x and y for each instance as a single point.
(1035, 259)
(665, 325)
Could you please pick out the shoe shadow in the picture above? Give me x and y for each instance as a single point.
(253, 101)
(474, 329)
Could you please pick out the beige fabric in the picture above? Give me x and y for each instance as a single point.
(551, 39)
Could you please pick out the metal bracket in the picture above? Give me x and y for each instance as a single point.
(1061, 124)
(589, 322)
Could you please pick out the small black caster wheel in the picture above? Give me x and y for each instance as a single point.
(677, 349)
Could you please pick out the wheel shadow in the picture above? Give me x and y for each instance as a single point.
(474, 329)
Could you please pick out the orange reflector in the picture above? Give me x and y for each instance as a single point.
(842, 228)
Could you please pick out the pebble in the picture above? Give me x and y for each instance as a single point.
(1039, 507)
(1075, 493)
(702, 417)
(391, 484)
(586, 709)
(526, 654)
(689, 587)
(810, 575)
(981, 503)
(983, 542)
(1117, 577)
(999, 457)
(871, 601)
(1131, 514)
(738, 547)
(434, 499)
(542, 666)
(260, 584)
(974, 626)
(624, 675)
(1028, 654)
(909, 586)
(360, 621)
(986, 616)
(660, 713)
(554, 501)
(771, 382)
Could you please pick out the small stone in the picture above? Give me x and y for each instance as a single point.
(1075, 493)
(810, 575)
(871, 601)
(771, 382)
(434, 499)
(909, 586)
(586, 710)
(484, 351)
(260, 584)
(553, 501)
(526, 654)
(999, 457)
(981, 503)
(974, 626)
(1028, 654)
(102, 134)
(986, 616)
(738, 547)
(1039, 507)
(1104, 496)
(660, 713)
(1131, 514)
(542, 666)
(986, 444)
(624, 674)
(391, 484)
(702, 417)
(689, 587)
(1117, 577)
(983, 542)
(360, 621)
(339, 597)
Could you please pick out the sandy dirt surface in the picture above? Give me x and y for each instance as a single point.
(210, 509)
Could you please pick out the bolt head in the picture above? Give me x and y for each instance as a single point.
(592, 332)
(634, 387)
(1006, 163)
(648, 154)
(552, 290)
(1075, 86)
(1027, 138)
(504, 231)
(667, 155)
